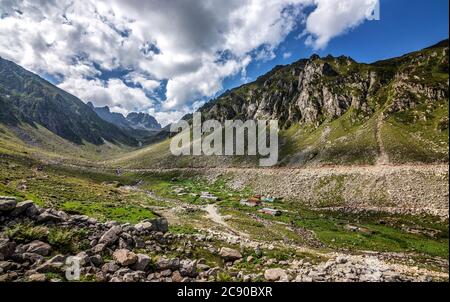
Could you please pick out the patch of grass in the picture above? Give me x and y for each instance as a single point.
(382, 232)
(68, 241)
(418, 135)
(51, 276)
(182, 229)
(224, 277)
(109, 211)
(93, 193)
(61, 239)
(26, 232)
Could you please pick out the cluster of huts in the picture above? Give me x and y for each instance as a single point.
(209, 196)
(180, 191)
(254, 201)
(259, 200)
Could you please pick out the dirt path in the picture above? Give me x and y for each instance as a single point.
(214, 215)
(383, 157)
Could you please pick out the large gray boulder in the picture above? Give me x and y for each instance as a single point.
(160, 225)
(38, 247)
(47, 216)
(275, 274)
(7, 248)
(157, 225)
(111, 235)
(22, 207)
(144, 226)
(164, 263)
(7, 203)
(143, 263)
(229, 254)
(125, 257)
(51, 267)
(188, 268)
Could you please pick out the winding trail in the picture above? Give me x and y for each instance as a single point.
(214, 215)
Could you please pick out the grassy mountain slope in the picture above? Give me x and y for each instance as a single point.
(337, 111)
(25, 98)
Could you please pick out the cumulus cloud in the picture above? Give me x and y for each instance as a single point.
(112, 93)
(332, 18)
(191, 45)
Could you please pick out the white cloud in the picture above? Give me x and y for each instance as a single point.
(193, 45)
(167, 117)
(113, 93)
(145, 82)
(287, 55)
(332, 18)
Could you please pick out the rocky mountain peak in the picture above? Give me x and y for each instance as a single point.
(318, 89)
(141, 120)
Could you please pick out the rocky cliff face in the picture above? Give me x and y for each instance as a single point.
(134, 120)
(113, 117)
(144, 121)
(319, 89)
(335, 110)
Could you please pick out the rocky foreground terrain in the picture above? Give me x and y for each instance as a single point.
(34, 246)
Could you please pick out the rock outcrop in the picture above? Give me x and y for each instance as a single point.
(311, 91)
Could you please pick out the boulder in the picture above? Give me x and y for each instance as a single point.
(7, 203)
(229, 254)
(110, 267)
(275, 274)
(143, 263)
(37, 278)
(49, 267)
(144, 226)
(22, 207)
(30, 257)
(163, 264)
(98, 248)
(32, 211)
(38, 247)
(157, 225)
(124, 257)
(84, 259)
(187, 268)
(48, 217)
(57, 259)
(96, 260)
(111, 235)
(176, 276)
(166, 273)
(7, 248)
(8, 277)
(160, 225)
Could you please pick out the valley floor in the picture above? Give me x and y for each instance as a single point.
(361, 223)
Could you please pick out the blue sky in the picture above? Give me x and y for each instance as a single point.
(166, 58)
(405, 26)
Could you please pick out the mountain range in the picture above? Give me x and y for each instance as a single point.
(332, 110)
(134, 120)
(27, 98)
